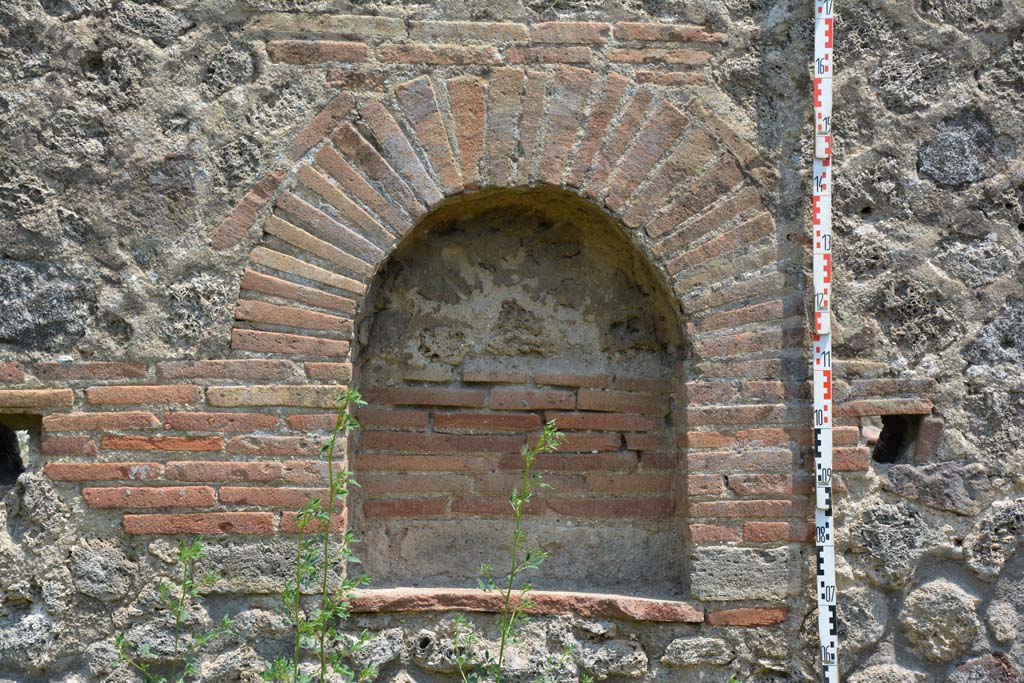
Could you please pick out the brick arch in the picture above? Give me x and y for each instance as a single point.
(689, 190)
(690, 194)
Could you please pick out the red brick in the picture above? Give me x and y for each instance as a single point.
(375, 418)
(460, 32)
(738, 203)
(227, 369)
(426, 396)
(648, 384)
(616, 142)
(320, 248)
(597, 123)
(134, 497)
(648, 55)
(561, 379)
(366, 157)
(573, 462)
(704, 485)
(534, 95)
(645, 31)
(363, 224)
(761, 484)
(657, 136)
(201, 523)
(652, 441)
(338, 372)
(589, 443)
(162, 443)
(757, 313)
(566, 105)
(627, 484)
(105, 471)
(223, 471)
(273, 445)
(89, 422)
(355, 186)
(377, 485)
(712, 533)
(743, 508)
(12, 372)
(309, 471)
(907, 406)
(290, 316)
(289, 264)
(608, 422)
(397, 150)
(493, 506)
(570, 32)
(768, 284)
(504, 93)
(364, 462)
(550, 55)
(298, 395)
(889, 387)
(37, 398)
(769, 532)
(738, 415)
(851, 459)
(69, 445)
(727, 462)
(730, 242)
(483, 423)
(354, 78)
(348, 243)
(405, 507)
(289, 524)
(929, 436)
(492, 484)
(316, 51)
(414, 442)
(525, 399)
(612, 507)
(768, 339)
(268, 497)
(420, 53)
(670, 78)
(623, 402)
(469, 116)
(709, 392)
(235, 226)
(493, 377)
(220, 422)
(419, 102)
(709, 439)
(747, 616)
(154, 394)
(89, 370)
(328, 118)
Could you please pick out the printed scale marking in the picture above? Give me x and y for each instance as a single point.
(824, 526)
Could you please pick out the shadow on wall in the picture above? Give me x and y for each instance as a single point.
(500, 311)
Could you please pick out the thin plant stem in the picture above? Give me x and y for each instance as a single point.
(177, 616)
(297, 606)
(338, 425)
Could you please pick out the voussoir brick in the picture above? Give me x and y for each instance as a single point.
(469, 115)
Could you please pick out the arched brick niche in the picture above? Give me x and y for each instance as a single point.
(501, 310)
(228, 446)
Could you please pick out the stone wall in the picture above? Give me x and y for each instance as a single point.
(486, 215)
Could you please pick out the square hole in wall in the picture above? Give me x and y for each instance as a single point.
(19, 436)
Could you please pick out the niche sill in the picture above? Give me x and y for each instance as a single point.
(591, 605)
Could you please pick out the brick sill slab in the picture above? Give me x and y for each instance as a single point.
(594, 605)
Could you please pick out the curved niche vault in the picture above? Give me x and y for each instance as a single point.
(499, 311)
